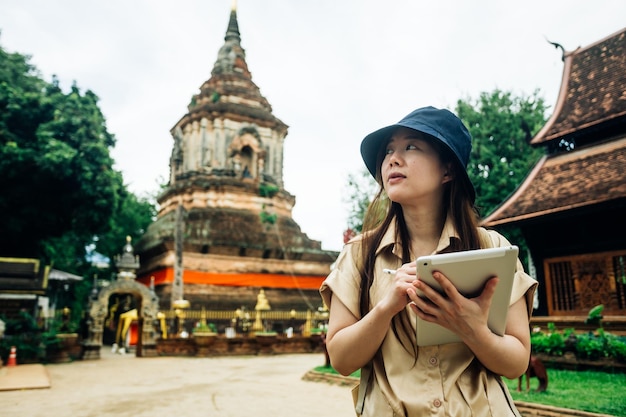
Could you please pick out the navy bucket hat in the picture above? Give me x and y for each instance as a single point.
(441, 124)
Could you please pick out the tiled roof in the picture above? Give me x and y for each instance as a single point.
(566, 181)
(593, 95)
(593, 90)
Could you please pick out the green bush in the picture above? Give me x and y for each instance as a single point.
(267, 189)
(31, 339)
(617, 349)
(24, 333)
(589, 346)
(269, 218)
(203, 327)
(551, 343)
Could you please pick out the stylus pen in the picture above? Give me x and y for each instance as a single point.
(389, 271)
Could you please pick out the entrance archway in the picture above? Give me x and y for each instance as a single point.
(148, 308)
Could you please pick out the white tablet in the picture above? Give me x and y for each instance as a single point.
(469, 271)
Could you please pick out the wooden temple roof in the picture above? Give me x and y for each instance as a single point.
(590, 116)
(567, 181)
(593, 89)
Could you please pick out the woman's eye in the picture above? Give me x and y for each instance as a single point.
(411, 147)
(388, 151)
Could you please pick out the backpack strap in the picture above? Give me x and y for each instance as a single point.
(366, 372)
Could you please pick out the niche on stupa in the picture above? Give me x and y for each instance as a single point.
(247, 154)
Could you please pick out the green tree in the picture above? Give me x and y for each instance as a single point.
(501, 126)
(360, 190)
(59, 191)
(56, 172)
(132, 217)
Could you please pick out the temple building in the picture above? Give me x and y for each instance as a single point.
(224, 229)
(571, 206)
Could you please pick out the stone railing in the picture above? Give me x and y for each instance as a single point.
(245, 321)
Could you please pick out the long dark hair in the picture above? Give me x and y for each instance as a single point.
(458, 202)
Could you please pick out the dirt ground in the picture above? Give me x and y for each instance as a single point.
(124, 386)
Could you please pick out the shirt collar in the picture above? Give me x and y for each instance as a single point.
(448, 233)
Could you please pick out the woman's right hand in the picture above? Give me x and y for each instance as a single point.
(352, 342)
(397, 299)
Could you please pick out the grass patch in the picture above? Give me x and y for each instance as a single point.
(331, 370)
(591, 391)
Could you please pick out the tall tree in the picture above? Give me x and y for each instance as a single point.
(501, 126)
(59, 191)
(56, 173)
(360, 190)
(132, 217)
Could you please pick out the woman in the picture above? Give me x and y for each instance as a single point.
(425, 205)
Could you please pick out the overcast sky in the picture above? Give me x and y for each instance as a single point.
(333, 70)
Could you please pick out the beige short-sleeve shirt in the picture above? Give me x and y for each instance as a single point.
(446, 380)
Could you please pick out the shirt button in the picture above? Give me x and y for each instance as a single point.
(437, 403)
(433, 361)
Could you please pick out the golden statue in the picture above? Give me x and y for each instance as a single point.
(261, 301)
(261, 304)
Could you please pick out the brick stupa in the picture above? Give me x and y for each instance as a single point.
(226, 198)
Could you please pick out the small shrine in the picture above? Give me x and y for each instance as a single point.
(145, 314)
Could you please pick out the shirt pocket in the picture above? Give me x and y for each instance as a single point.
(376, 404)
(484, 394)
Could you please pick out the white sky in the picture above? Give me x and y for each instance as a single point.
(333, 70)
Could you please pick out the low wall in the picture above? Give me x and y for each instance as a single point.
(570, 362)
(220, 345)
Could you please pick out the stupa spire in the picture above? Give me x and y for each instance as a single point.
(231, 57)
(233, 27)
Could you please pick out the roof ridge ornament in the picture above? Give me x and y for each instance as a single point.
(556, 45)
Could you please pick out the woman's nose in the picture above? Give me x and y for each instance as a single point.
(394, 159)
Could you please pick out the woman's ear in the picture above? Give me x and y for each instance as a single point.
(448, 174)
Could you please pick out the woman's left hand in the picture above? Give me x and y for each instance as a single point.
(463, 316)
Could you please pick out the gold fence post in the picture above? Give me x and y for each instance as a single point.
(307, 324)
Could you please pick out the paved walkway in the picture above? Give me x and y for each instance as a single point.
(30, 376)
(124, 386)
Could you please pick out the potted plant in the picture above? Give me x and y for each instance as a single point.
(60, 341)
(204, 335)
(265, 341)
(204, 329)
